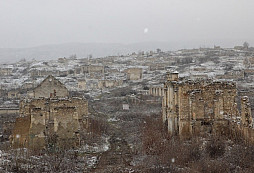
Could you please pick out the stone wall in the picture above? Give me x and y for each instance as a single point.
(6, 111)
(20, 133)
(46, 118)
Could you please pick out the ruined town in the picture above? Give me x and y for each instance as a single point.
(188, 110)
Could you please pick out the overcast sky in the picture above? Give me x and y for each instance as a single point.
(28, 23)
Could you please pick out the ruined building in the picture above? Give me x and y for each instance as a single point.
(49, 87)
(156, 91)
(52, 121)
(134, 73)
(194, 107)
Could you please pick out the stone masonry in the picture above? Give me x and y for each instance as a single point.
(194, 107)
(42, 119)
(51, 117)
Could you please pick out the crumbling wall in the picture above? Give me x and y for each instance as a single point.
(20, 133)
(48, 118)
(199, 106)
(93, 69)
(109, 83)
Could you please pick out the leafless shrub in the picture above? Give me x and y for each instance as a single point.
(220, 152)
(215, 147)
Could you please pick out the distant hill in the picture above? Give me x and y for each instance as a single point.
(82, 50)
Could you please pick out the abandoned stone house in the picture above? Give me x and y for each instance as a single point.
(194, 107)
(49, 87)
(93, 71)
(49, 117)
(42, 119)
(90, 69)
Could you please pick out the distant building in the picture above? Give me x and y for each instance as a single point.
(2, 92)
(134, 73)
(62, 60)
(40, 73)
(82, 84)
(109, 83)
(5, 71)
(13, 94)
(93, 69)
(239, 47)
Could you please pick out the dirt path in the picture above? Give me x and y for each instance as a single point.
(117, 158)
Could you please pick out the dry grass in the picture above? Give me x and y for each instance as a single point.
(216, 154)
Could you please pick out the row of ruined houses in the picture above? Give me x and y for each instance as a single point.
(96, 80)
(91, 71)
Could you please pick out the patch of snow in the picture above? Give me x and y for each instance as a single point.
(114, 119)
(96, 148)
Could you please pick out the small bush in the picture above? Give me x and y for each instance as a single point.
(215, 148)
